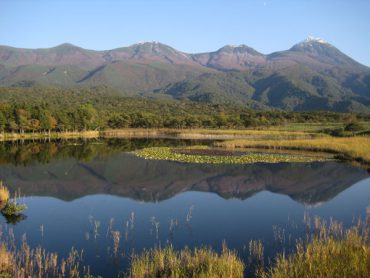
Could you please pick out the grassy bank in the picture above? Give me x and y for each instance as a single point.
(13, 136)
(212, 134)
(354, 148)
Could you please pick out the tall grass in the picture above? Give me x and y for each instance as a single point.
(202, 262)
(24, 262)
(4, 193)
(356, 148)
(331, 252)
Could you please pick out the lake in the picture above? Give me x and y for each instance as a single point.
(78, 192)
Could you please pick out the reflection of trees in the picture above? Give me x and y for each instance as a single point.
(27, 153)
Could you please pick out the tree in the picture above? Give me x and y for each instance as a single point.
(34, 124)
(87, 115)
(2, 121)
(21, 118)
(47, 121)
(221, 119)
(120, 120)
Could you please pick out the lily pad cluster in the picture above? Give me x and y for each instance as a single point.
(172, 154)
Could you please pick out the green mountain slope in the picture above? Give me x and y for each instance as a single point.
(295, 88)
(311, 75)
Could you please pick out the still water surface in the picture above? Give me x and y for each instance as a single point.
(78, 192)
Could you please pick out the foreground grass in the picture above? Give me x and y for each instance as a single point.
(27, 262)
(166, 153)
(327, 250)
(4, 194)
(330, 253)
(202, 262)
(355, 148)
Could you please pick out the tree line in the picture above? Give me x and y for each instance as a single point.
(52, 109)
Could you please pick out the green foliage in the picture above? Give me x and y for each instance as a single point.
(119, 120)
(12, 208)
(354, 127)
(53, 109)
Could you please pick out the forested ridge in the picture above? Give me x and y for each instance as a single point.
(98, 108)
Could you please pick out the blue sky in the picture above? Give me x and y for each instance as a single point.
(187, 25)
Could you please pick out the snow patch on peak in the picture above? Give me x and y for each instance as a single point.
(235, 45)
(314, 39)
(147, 42)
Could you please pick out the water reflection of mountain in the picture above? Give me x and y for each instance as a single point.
(149, 181)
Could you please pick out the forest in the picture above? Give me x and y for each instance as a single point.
(41, 109)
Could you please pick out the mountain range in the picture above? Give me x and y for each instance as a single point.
(311, 75)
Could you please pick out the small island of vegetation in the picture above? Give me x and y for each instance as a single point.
(211, 156)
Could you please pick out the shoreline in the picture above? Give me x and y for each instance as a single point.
(195, 134)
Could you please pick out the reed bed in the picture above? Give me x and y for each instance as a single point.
(212, 134)
(331, 251)
(202, 262)
(26, 262)
(355, 148)
(13, 136)
(4, 194)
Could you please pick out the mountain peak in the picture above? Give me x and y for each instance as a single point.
(312, 45)
(242, 48)
(310, 39)
(66, 45)
(148, 42)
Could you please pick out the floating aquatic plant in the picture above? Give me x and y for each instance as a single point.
(175, 154)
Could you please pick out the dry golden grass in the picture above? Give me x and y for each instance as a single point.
(4, 193)
(332, 252)
(6, 260)
(212, 134)
(357, 148)
(202, 262)
(197, 133)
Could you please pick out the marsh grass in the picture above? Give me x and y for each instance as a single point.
(355, 148)
(24, 261)
(6, 260)
(13, 208)
(203, 133)
(328, 250)
(9, 208)
(202, 262)
(4, 194)
(116, 236)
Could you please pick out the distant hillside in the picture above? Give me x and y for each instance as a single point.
(312, 75)
(296, 88)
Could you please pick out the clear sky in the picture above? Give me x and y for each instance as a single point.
(187, 25)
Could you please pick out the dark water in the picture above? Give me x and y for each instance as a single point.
(78, 192)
